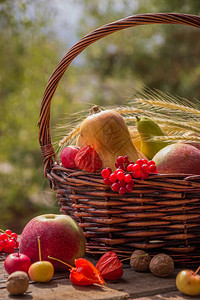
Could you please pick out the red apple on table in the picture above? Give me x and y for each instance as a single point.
(17, 262)
(60, 237)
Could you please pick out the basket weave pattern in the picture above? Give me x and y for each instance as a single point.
(161, 214)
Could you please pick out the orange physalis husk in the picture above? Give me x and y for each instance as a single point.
(85, 273)
(88, 159)
(110, 266)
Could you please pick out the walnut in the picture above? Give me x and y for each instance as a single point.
(162, 265)
(17, 283)
(140, 260)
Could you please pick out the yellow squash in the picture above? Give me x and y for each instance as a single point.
(108, 133)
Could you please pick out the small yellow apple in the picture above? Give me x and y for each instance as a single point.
(188, 282)
(41, 271)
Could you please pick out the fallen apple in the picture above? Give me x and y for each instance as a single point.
(60, 237)
(188, 282)
(42, 270)
(17, 262)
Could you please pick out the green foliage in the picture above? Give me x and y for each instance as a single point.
(27, 56)
(159, 56)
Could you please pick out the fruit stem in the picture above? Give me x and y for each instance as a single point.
(62, 262)
(39, 247)
(134, 256)
(94, 110)
(137, 118)
(197, 271)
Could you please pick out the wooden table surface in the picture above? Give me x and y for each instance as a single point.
(133, 285)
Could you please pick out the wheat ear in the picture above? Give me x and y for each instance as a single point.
(74, 132)
(170, 105)
(195, 139)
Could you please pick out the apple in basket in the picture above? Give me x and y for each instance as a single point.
(60, 236)
(178, 158)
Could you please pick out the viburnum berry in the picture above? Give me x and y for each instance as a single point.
(126, 160)
(139, 162)
(118, 170)
(115, 187)
(144, 168)
(112, 177)
(109, 169)
(144, 161)
(105, 173)
(120, 175)
(3, 243)
(116, 164)
(14, 235)
(152, 168)
(8, 232)
(127, 178)
(136, 174)
(120, 160)
(121, 180)
(8, 249)
(106, 181)
(151, 162)
(3, 237)
(136, 167)
(8, 241)
(129, 167)
(129, 187)
(122, 190)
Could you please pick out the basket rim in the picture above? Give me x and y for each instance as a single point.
(95, 35)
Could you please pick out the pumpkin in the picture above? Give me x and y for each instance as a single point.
(108, 133)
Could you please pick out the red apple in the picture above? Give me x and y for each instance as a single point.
(17, 262)
(178, 158)
(67, 156)
(60, 237)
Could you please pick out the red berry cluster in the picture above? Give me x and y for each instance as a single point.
(121, 180)
(8, 241)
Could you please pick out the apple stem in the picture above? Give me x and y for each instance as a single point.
(40, 257)
(62, 262)
(197, 271)
(134, 256)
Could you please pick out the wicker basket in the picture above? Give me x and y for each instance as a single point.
(161, 214)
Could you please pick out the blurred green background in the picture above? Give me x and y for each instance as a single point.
(34, 37)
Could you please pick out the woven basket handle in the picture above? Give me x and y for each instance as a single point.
(143, 19)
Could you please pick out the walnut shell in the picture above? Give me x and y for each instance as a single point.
(162, 265)
(140, 260)
(17, 283)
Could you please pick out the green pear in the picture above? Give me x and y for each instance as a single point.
(148, 129)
